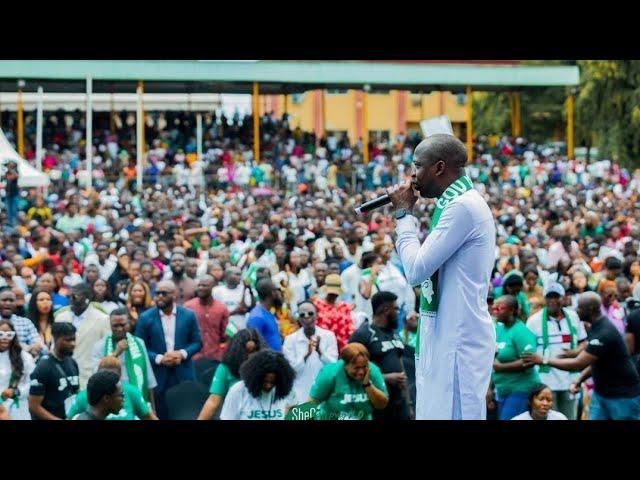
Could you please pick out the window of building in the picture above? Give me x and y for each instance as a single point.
(297, 98)
(461, 98)
(378, 136)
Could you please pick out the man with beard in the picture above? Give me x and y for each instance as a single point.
(26, 331)
(308, 349)
(261, 317)
(616, 394)
(172, 337)
(386, 350)
(55, 381)
(102, 259)
(130, 351)
(236, 296)
(186, 286)
(91, 323)
(213, 318)
(456, 346)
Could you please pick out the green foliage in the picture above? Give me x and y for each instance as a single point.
(607, 109)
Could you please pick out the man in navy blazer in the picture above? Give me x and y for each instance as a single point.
(172, 336)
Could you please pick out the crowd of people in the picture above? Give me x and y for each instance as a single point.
(239, 289)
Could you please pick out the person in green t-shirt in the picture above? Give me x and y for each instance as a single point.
(134, 406)
(244, 343)
(512, 379)
(513, 284)
(351, 388)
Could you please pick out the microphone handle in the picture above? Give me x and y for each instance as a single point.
(373, 204)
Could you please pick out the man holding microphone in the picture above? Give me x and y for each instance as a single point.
(456, 336)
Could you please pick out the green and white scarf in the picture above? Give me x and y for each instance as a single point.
(573, 334)
(135, 362)
(429, 288)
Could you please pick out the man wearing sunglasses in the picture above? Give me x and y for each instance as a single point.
(308, 349)
(104, 395)
(172, 336)
(27, 333)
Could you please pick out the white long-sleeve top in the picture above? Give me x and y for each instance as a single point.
(20, 412)
(391, 279)
(457, 347)
(295, 348)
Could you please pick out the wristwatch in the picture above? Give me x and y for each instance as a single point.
(366, 385)
(401, 213)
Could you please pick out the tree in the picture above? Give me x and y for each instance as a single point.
(608, 107)
(542, 110)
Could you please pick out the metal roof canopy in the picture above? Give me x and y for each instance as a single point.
(275, 77)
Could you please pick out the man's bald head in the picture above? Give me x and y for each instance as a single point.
(589, 306)
(442, 146)
(439, 161)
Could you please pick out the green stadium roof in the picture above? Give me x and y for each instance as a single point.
(219, 76)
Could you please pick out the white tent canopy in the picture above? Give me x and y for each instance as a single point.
(29, 176)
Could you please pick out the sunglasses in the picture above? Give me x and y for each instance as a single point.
(306, 314)
(160, 293)
(7, 335)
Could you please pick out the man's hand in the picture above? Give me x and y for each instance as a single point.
(402, 196)
(398, 379)
(574, 388)
(491, 404)
(531, 359)
(121, 346)
(569, 353)
(176, 356)
(35, 349)
(8, 393)
(170, 359)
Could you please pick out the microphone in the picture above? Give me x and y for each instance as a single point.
(373, 204)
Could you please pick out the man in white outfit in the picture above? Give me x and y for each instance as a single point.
(456, 337)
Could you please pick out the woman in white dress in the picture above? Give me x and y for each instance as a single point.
(16, 366)
(540, 402)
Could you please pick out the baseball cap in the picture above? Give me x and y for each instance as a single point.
(553, 287)
(333, 284)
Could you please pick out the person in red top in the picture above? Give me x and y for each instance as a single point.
(213, 318)
(334, 315)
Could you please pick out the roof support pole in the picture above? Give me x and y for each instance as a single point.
(20, 119)
(515, 114)
(39, 130)
(516, 98)
(570, 126)
(89, 134)
(199, 147)
(365, 127)
(140, 136)
(469, 124)
(112, 116)
(256, 122)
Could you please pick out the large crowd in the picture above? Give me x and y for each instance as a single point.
(233, 288)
